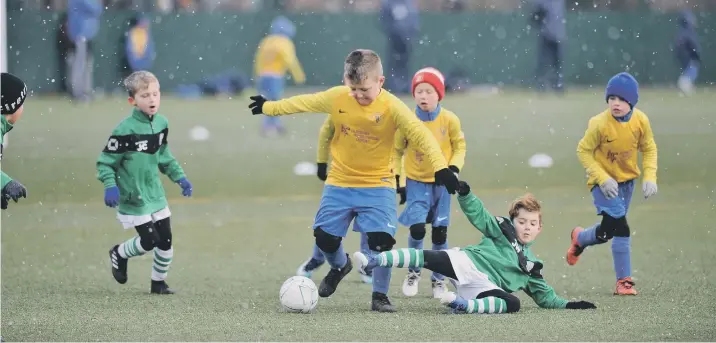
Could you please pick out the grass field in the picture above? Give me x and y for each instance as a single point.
(247, 228)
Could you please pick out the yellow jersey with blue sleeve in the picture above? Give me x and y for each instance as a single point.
(362, 145)
(275, 55)
(447, 130)
(325, 135)
(610, 148)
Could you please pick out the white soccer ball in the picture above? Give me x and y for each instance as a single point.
(298, 294)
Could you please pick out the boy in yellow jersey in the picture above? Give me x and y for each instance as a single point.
(609, 151)
(275, 55)
(361, 182)
(317, 259)
(422, 194)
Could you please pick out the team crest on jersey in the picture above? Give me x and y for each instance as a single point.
(377, 117)
(443, 131)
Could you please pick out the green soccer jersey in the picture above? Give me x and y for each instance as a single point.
(499, 258)
(134, 155)
(5, 127)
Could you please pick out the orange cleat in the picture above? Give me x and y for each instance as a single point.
(625, 286)
(574, 249)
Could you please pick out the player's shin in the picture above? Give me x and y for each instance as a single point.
(621, 249)
(401, 258)
(132, 247)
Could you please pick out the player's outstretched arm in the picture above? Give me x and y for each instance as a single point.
(476, 212)
(320, 102)
(325, 135)
(585, 152)
(459, 146)
(294, 66)
(545, 296)
(399, 146)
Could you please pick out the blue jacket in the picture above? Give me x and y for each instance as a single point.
(399, 18)
(687, 46)
(83, 18)
(139, 57)
(549, 16)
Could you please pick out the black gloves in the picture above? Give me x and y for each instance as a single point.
(580, 305)
(257, 106)
(322, 171)
(13, 190)
(447, 178)
(456, 170)
(463, 188)
(400, 190)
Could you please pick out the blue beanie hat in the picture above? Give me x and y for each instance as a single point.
(283, 26)
(624, 86)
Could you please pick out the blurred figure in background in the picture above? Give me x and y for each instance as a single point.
(688, 51)
(138, 45)
(276, 54)
(549, 17)
(82, 26)
(400, 22)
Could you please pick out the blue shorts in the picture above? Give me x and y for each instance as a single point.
(423, 198)
(271, 87)
(373, 209)
(617, 207)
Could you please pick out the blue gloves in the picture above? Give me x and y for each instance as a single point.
(111, 196)
(185, 185)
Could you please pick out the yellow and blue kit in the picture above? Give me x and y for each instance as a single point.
(423, 195)
(276, 54)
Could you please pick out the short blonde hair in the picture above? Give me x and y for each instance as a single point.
(139, 80)
(527, 202)
(360, 64)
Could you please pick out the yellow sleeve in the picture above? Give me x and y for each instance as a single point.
(647, 146)
(398, 151)
(320, 102)
(324, 141)
(417, 133)
(457, 140)
(585, 152)
(288, 52)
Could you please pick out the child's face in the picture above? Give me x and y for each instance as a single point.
(618, 106)
(12, 118)
(366, 91)
(527, 225)
(426, 96)
(147, 99)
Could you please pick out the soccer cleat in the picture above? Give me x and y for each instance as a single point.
(574, 249)
(306, 268)
(381, 303)
(119, 265)
(333, 278)
(457, 303)
(364, 263)
(161, 287)
(410, 284)
(439, 288)
(625, 286)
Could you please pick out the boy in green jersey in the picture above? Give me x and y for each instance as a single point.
(486, 273)
(129, 168)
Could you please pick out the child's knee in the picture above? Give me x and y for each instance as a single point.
(380, 241)
(326, 242)
(439, 235)
(164, 231)
(417, 231)
(612, 227)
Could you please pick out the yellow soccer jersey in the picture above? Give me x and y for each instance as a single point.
(275, 55)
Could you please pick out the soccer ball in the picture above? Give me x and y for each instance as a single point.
(298, 294)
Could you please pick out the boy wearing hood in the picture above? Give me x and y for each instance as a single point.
(275, 55)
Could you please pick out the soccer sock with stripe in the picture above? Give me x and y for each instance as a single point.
(162, 261)
(486, 305)
(131, 248)
(401, 258)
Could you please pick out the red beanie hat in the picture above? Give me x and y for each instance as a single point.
(432, 77)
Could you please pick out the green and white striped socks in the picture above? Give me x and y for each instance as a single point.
(486, 305)
(131, 248)
(401, 258)
(162, 260)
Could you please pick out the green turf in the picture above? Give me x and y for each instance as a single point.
(248, 227)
